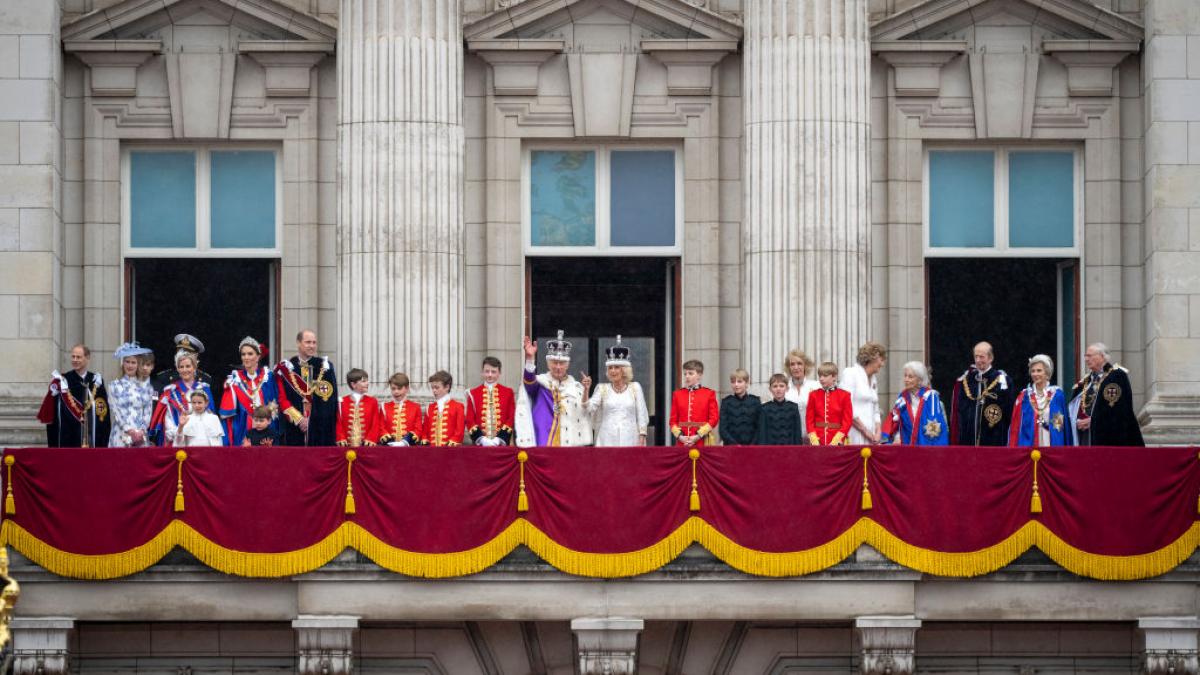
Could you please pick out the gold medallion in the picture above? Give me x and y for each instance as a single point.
(101, 409)
(1112, 393)
(993, 414)
(1057, 422)
(933, 429)
(323, 389)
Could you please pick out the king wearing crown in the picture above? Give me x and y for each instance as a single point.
(552, 407)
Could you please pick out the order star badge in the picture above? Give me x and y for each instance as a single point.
(933, 429)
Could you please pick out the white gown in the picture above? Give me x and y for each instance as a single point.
(619, 418)
(864, 395)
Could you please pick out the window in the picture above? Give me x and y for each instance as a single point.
(196, 201)
(1021, 202)
(602, 200)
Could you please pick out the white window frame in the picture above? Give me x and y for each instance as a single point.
(1000, 241)
(203, 247)
(603, 216)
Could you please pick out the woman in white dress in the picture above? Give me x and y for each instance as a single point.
(618, 407)
(131, 399)
(798, 366)
(859, 380)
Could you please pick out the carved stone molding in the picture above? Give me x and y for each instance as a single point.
(607, 646)
(288, 63)
(918, 63)
(41, 646)
(325, 644)
(515, 63)
(1091, 64)
(1170, 645)
(888, 644)
(689, 63)
(114, 63)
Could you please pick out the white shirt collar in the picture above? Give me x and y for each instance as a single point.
(356, 396)
(441, 402)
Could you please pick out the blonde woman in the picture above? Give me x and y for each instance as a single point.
(618, 407)
(798, 365)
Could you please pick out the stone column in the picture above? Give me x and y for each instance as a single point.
(806, 236)
(41, 646)
(888, 644)
(1170, 645)
(607, 646)
(1171, 90)
(400, 182)
(325, 644)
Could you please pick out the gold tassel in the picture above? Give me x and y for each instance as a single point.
(1197, 499)
(866, 494)
(350, 457)
(522, 499)
(10, 504)
(180, 457)
(694, 499)
(1035, 503)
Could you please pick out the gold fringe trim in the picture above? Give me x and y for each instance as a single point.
(602, 565)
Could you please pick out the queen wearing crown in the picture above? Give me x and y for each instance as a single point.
(552, 407)
(618, 407)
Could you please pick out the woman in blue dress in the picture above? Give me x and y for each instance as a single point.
(174, 406)
(1040, 418)
(918, 416)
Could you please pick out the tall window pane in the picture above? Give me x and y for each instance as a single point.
(562, 186)
(162, 199)
(961, 199)
(642, 198)
(1041, 199)
(243, 199)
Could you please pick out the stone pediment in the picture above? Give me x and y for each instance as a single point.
(550, 19)
(146, 19)
(1061, 19)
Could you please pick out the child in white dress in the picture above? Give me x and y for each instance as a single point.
(201, 428)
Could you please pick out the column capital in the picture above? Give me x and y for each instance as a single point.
(325, 644)
(888, 644)
(607, 646)
(41, 644)
(1170, 645)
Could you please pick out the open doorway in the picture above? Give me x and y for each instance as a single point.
(1023, 306)
(593, 300)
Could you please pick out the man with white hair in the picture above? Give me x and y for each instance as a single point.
(982, 402)
(1102, 403)
(552, 407)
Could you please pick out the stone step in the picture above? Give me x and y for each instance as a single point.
(18, 423)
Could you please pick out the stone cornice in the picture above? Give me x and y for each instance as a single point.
(1082, 13)
(103, 21)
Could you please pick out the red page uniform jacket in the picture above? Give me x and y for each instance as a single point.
(359, 421)
(444, 427)
(490, 412)
(694, 412)
(829, 416)
(401, 422)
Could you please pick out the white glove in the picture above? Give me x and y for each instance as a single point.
(399, 444)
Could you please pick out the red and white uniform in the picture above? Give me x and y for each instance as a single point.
(444, 423)
(830, 414)
(694, 412)
(359, 421)
(490, 412)
(401, 422)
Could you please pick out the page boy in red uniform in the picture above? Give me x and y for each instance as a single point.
(360, 417)
(401, 417)
(444, 419)
(491, 408)
(830, 411)
(694, 408)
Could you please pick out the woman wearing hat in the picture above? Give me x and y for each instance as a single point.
(130, 399)
(247, 388)
(618, 407)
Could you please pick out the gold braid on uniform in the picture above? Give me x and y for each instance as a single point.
(986, 392)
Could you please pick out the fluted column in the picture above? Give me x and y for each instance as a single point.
(400, 179)
(806, 238)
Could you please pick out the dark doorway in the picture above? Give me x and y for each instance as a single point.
(1023, 306)
(595, 299)
(219, 301)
